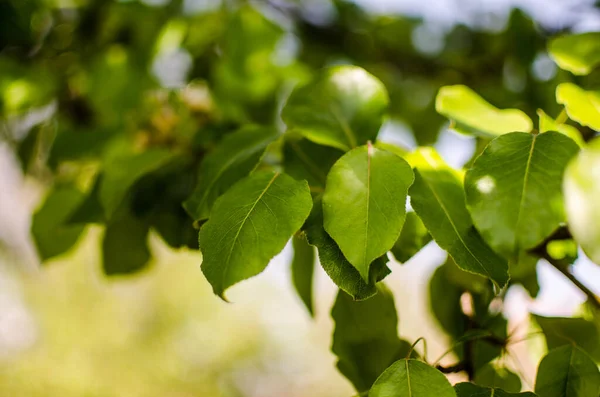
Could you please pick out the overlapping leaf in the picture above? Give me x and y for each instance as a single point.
(581, 105)
(577, 53)
(507, 183)
(249, 225)
(438, 197)
(470, 390)
(342, 108)
(365, 339)
(232, 160)
(364, 204)
(472, 115)
(413, 238)
(303, 266)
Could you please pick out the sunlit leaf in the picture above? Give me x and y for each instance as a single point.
(504, 201)
(577, 53)
(581, 190)
(342, 108)
(411, 378)
(470, 114)
(249, 225)
(567, 372)
(438, 197)
(582, 106)
(547, 123)
(364, 204)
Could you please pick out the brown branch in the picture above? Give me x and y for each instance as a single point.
(452, 369)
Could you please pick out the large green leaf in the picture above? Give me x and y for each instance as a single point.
(567, 372)
(337, 267)
(470, 390)
(471, 114)
(303, 159)
(234, 158)
(364, 204)
(365, 339)
(438, 197)
(504, 200)
(413, 238)
(50, 229)
(581, 105)
(303, 267)
(125, 244)
(581, 190)
(567, 331)
(122, 171)
(578, 53)
(342, 108)
(412, 378)
(249, 225)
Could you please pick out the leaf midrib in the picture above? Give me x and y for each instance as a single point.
(227, 261)
(522, 199)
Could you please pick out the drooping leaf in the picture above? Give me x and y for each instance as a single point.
(504, 200)
(249, 225)
(577, 53)
(337, 267)
(365, 339)
(364, 204)
(303, 159)
(125, 244)
(567, 372)
(342, 108)
(524, 271)
(411, 378)
(568, 331)
(438, 197)
(581, 191)
(303, 267)
(490, 376)
(50, 229)
(413, 238)
(466, 389)
(233, 159)
(122, 171)
(445, 303)
(581, 105)
(472, 115)
(547, 123)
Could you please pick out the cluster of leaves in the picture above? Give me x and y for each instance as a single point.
(210, 160)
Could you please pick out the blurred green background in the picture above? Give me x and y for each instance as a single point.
(84, 82)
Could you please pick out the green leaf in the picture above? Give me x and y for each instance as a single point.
(547, 123)
(125, 244)
(303, 267)
(581, 190)
(413, 238)
(249, 225)
(337, 267)
(568, 331)
(445, 303)
(50, 229)
(490, 376)
(365, 339)
(524, 271)
(233, 159)
(582, 106)
(466, 389)
(364, 204)
(412, 378)
(472, 115)
(438, 197)
(122, 171)
(567, 372)
(342, 108)
(504, 201)
(577, 53)
(303, 159)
